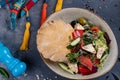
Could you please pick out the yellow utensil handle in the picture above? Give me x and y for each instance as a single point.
(26, 37)
(59, 5)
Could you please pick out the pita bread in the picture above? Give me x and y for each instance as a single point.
(52, 40)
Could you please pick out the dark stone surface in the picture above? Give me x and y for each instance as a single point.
(107, 9)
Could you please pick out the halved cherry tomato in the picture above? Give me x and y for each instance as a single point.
(86, 61)
(95, 28)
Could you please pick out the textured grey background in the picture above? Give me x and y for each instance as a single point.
(109, 10)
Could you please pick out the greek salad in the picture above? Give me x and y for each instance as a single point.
(89, 47)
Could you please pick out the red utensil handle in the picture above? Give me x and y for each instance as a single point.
(44, 13)
(29, 4)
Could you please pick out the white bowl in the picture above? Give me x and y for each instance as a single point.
(70, 14)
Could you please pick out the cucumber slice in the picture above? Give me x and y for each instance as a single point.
(100, 66)
(75, 42)
(65, 67)
(103, 58)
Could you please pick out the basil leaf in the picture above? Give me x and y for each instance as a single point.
(72, 57)
(70, 47)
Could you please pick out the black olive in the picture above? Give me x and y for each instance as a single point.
(73, 23)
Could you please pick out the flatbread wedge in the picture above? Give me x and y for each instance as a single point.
(52, 40)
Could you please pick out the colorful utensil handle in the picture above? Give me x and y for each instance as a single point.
(15, 66)
(44, 13)
(59, 5)
(4, 2)
(14, 12)
(26, 36)
(29, 5)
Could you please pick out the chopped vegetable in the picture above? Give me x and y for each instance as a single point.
(88, 38)
(86, 61)
(107, 38)
(94, 28)
(85, 71)
(65, 67)
(104, 56)
(75, 42)
(77, 33)
(87, 26)
(70, 47)
(100, 66)
(100, 44)
(96, 62)
(76, 49)
(72, 57)
(81, 43)
(74, 35)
